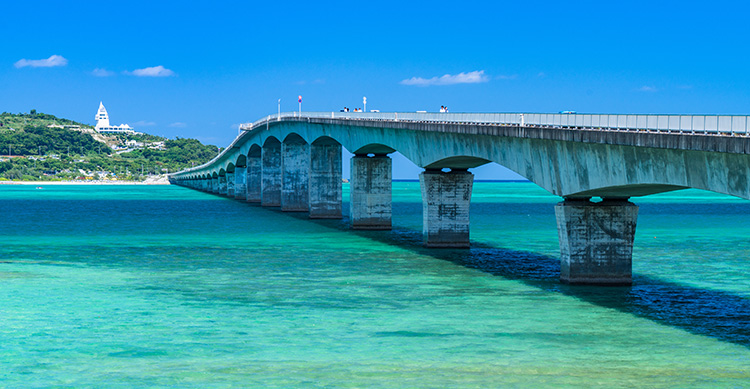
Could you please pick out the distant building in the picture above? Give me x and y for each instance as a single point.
(103, 126)
(134, 144)
(157, 145)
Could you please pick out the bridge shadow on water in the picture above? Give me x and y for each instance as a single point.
(712, 313)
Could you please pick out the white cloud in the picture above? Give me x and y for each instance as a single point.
(98, 72)
(154, 71)
(143, 123)
(647, 88)
(474, 77)
(178, 125)
(55, 60)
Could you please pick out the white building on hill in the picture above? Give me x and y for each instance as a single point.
(103, 126)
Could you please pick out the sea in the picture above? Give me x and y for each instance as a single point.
(163, 286)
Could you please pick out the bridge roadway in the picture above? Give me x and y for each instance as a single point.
(293, 161)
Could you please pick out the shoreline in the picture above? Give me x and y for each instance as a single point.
(42, 183)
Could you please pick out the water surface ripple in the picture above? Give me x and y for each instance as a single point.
(139, 286)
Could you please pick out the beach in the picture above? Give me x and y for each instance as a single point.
(157, 181)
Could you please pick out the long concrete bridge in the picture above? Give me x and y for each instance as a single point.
(294, 161)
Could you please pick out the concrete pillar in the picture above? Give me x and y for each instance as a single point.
(370, 192)
(230, 185)
(215, 185)
(222, 185)
(445, 207)
(325, 180)
(254, 179)
(240, 189)
(206, 184)
(270, 195)
(295, 176)
(596, 241)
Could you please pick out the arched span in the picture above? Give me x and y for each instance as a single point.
(230, 168)
(628, 191)
(241, 161)
(271, 141)
(374, 148)
(255, 151)
(294, 139)
(458, 162)
(222, 172)
(325, 140)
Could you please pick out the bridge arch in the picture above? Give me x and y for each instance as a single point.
(458, 162)
(271, 141)
(241, 160)
(325, 140)
(294, 138)
(254, 151)
(374, 148)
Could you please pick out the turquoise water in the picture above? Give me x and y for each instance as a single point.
(143, 286)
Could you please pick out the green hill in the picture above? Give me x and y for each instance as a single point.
(37, 146)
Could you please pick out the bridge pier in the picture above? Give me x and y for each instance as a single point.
(223, 185)
(446, 198)
(295, 175)
(325, 180)
(206, 184)
(215, 185)
(254, 179)
(370, 192)
(270, 195)
(230, 185)
(240, 188)
(596, 241)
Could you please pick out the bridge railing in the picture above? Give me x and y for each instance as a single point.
(708, 124)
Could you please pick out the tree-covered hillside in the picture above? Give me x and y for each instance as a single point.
(42, 140)
(33, 119)
(33, 147)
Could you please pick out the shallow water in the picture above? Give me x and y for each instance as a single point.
(132, 286)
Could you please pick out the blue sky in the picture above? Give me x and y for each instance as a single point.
(198, 69)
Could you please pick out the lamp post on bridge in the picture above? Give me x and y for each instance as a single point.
(299, 100)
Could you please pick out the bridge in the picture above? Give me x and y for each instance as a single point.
(294, 161)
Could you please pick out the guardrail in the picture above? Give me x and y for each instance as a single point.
(708, 124)
(735, 125)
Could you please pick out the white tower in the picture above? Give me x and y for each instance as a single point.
(102, 119)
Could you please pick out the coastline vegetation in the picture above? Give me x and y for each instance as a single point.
(41, 147)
